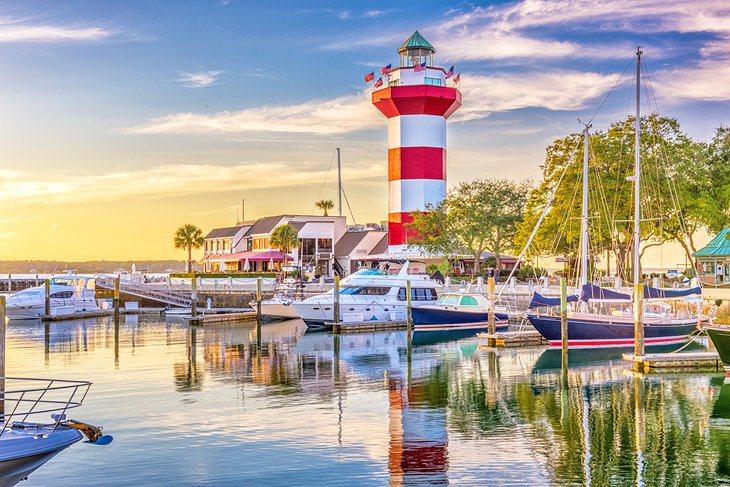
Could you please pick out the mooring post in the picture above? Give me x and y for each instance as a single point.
(564, 325)
(638, 320)
(47, 308)
(116, 298)
(491, 325)
(10, 283)
(2, 357)
(259, 295)
(336, 307)
(409, 307)
(36, 280)
(194, 296)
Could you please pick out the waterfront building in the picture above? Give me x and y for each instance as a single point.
(247, 247)
(417, 99)
(354, 248)
(713, 260)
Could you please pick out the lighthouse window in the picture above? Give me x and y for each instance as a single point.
(433, 81)
(395, 82)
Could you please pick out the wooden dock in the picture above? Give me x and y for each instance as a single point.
(525, 338)
(675, 361)
(361, 326)
(205, 319)
(102, 312)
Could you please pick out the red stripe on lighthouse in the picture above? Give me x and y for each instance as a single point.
(416, 163)
(397, 233)
(417, 100)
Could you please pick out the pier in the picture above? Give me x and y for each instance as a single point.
(361, 326)
(523, 338)
(709, 361)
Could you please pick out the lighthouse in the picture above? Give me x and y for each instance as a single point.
(417, 99)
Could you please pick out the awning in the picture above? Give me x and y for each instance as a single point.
(251, 255)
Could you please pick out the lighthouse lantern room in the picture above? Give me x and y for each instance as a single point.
(417, 99)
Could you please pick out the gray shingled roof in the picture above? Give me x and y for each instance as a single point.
(223, 232)
(381, 247)
(348, 242)
(264, 225)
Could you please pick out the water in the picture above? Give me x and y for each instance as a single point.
(209, 406)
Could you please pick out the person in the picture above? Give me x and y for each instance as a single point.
(719, 271)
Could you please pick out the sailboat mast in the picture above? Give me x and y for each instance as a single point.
(584, 216)
(339, 181)
(637, 173)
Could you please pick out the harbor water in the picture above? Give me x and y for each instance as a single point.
(219, 405)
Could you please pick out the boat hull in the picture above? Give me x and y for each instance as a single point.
(316, 314)
(598, 334)
(720, 337)
(429, 315)
(278, 309)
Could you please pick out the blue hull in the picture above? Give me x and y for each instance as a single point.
(434, 316)
(592, 334)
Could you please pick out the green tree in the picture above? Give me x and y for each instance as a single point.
(284, 238)
(475, 217)
(325, 205)
(188, 237)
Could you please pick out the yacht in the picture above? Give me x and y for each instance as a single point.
(70, 293)
(369, 294)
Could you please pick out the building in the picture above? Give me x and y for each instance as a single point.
(713, 260)
(246, 247)
(354, 248)
(417, 99)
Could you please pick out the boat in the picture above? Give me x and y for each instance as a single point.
(604, 318)
(26, 446)
(370, 294)
(720, 336)
(458, 311)
(70, 293)
(280, 306)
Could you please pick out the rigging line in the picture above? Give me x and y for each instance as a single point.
(348, 205)
(611, 91)
(326, 174)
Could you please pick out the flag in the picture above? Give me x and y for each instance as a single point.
(387, 69)
(458, 78)
(450, 73)
(378, 83)
(419, 67)
(369, 77)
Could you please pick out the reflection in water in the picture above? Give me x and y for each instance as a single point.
(277, 406)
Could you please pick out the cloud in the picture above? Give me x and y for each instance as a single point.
(19, 188)
(199, 80)
(21, 30)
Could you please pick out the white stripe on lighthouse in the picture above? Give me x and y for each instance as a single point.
(406, 195)
(417, 131)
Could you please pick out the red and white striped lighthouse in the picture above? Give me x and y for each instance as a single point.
(417, 102)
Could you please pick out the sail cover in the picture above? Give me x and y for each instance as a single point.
(540, 300)
(590, 292)
(654, 293)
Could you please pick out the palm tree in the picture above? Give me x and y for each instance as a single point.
(325, 205)
(188, 237)
(284, 238)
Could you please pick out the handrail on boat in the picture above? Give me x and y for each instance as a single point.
(59, 395)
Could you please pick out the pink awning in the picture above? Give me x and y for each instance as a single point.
(251, 255)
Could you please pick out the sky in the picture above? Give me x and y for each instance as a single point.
(123, 120)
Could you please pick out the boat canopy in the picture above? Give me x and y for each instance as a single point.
(590, 292)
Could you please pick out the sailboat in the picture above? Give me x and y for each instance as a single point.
(603, 317)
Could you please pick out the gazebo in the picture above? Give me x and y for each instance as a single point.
(713, 260)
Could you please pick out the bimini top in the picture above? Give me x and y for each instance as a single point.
(416, 41)
(590, 292)
(719, 246)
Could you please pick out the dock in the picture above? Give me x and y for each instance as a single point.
(101, 313)
(360, 326)
(205, 319)
(675, 361)
(523, 338)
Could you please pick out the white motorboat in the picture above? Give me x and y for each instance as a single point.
(70, 293)
(25, 446)
(280, 306)
(369, 294)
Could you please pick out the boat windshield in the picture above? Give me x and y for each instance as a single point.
(62, 281)
(370, 272)
(451, 299)
(469, 301)
(365, 290)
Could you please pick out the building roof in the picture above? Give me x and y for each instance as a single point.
(416, 41)
(718, 246)
(223, 232)
(264, 225)
(347, 243)
(297, 225)
(380, 247)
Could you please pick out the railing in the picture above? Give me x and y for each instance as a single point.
(30, 396)
(156, 293)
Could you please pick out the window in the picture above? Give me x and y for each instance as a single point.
(432, 81)
(418, 294)
(324, 245)
(217, 244)
(261, 243)
(308, 246)
(365, 291)
(395, 82)
(469, 301)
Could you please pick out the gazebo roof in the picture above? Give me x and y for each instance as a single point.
(718, 247)
(416, 41)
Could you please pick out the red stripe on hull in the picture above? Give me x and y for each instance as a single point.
(417, 100)
(458, 326)
(416, 163)
(620, 342)
(397, 230)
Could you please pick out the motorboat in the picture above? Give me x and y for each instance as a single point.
(24, 445)
(370, 294)
(69, 293)
(458, 311)
(280, 306)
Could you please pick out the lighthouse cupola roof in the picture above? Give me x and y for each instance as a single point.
(416, 50)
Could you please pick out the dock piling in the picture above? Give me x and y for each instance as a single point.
(47, 309)
(491, 324)
(2, 356)
(10, 283)
(194, 296)
(638, 319)
(116, 299)
(409, 307)
(259, 293)
(564, 316)
(336, 307)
